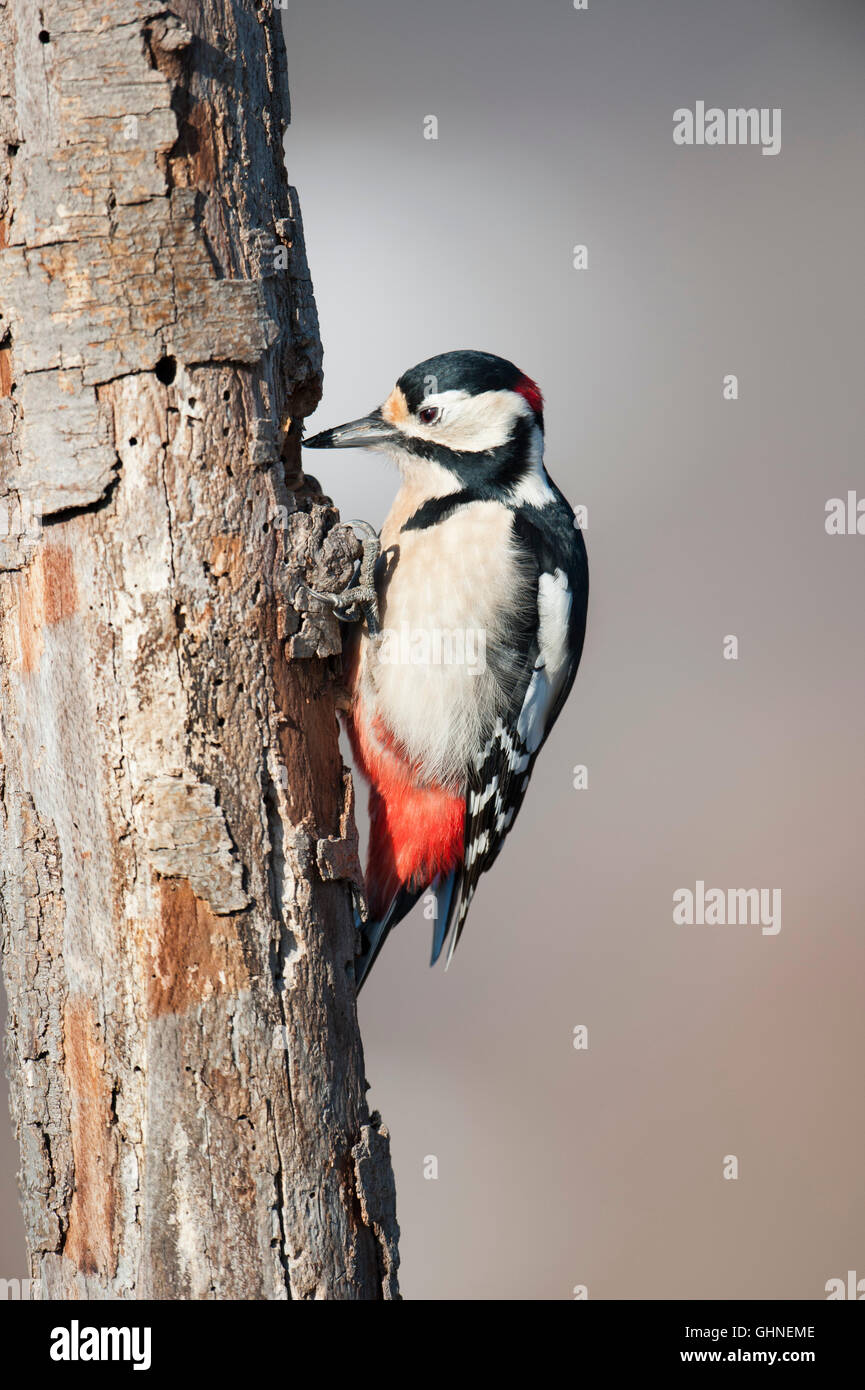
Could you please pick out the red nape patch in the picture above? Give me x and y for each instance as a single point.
(532, 393)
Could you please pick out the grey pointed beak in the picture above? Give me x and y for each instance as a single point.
(370, 432)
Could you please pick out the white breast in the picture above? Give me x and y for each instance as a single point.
(447, 615)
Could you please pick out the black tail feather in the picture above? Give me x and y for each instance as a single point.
(374, 934)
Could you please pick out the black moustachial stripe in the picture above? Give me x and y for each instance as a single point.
(438, 509)
(485, 476)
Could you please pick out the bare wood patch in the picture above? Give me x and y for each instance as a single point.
(90, 1236)
(196, 955)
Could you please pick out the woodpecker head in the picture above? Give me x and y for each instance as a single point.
(473, 415)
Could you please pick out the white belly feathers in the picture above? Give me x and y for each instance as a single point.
(437, 675)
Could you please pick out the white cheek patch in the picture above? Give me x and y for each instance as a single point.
(427, 478)
(471, 424)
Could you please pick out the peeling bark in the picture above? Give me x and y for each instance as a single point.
(178, 845)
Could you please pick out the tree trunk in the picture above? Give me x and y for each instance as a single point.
(177, 827)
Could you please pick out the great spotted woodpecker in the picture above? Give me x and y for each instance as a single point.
(476, 614)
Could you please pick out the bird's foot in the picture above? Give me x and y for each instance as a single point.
(359, 601)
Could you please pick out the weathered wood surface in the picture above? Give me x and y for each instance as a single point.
(177, 830)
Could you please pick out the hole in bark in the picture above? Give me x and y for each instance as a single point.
(166, 370)
(191, 402)
(133, 441)
(44, 36)
(225, 430)
(12, 150)
(179, 617)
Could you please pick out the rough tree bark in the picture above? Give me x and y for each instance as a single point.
(177, 828)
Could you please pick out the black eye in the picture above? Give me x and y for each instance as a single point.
(429, 414)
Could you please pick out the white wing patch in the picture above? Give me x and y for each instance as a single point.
(554, 611)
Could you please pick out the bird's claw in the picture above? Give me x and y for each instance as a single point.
(359, 600)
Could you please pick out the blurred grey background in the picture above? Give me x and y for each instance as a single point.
(604, 1167)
